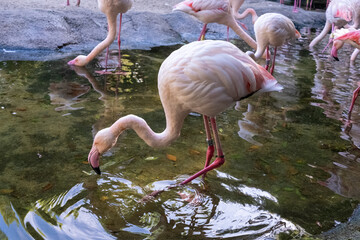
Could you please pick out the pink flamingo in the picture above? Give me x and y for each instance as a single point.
(111, 8)
(77, 4)
(211, 11)
(205, 77)
(338, 14)
(272, 29)
(351, 37)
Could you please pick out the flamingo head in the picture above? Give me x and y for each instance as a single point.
(79, 61)
(336, 46)
(103, 141)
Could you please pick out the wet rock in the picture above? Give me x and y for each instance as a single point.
(45, 34)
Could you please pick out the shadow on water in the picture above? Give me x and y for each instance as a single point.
(292, 163)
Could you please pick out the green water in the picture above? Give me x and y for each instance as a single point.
(291, 163)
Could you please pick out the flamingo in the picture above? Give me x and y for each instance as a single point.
(351, 37)
(210, 11)
(203, 76)
(77, 4)
(272, 29)
(342, 36)
(111, 8)
(338, 14)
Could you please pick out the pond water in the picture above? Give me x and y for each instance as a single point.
(292, 165)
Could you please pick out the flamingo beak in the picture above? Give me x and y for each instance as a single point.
(334, 53)
(72, 62)
(93, 160)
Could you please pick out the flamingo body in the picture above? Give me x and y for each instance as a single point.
(272, 29)
(338, 14)
(205, 77)
(111, 8)
(351, 37)
(214, 11)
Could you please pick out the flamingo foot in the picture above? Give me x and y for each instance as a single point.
(217, 163)
(154, 194)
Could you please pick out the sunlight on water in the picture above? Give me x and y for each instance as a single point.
(291, 157)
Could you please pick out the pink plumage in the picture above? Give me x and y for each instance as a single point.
(205, 77)
(215, 11)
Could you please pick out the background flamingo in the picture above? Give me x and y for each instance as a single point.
(342, 36)
(338, 14)
(272, 29)
(211, 11)
(351, 37)
(111, 8)
(77, 4)
(205, 77)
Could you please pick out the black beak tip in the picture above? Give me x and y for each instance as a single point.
(336, 58)
(96, 169)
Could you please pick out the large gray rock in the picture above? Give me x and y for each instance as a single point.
(36, 34)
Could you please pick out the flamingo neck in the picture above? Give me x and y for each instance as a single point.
(242, 34)
(111, 19)
(143, 130)
(247, 11)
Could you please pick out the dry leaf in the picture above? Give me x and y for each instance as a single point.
(103, 198)
(171, 157)
(254, 147)
(6, 191)
(194, 152)
(47, 187)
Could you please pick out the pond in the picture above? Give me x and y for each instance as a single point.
(292, 166)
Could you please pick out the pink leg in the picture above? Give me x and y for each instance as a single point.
(78, 3)
(327, 3)
(267, 58)
(310, 4)
(355, 95)
(119, 44)
(220, 159)
(294, 9)
(203, 31)
(273, 63)
(68, 3)
(210, 142)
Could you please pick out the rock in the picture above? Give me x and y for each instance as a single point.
(46, 34)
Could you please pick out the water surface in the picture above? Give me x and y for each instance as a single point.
(291, 160)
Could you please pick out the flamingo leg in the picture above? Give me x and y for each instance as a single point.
(310, 4)
(210, 142)
(68, 3)
(294, 9)
(78, 3)
(355, 95)
(202, 34)
(119, 44)
(273, 63)
(220, 159)
(267, 61)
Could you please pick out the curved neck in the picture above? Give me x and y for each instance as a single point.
(247, 11)
(242, 34)
(143, 130)
(111, 19)
(323, 33)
